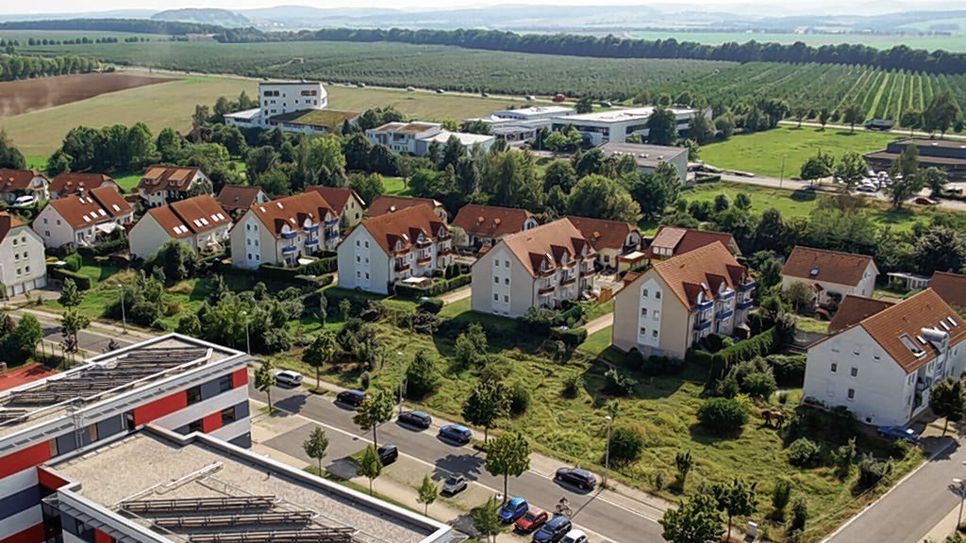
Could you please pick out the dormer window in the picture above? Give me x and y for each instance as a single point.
(908, 343)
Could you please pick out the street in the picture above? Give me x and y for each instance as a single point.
(597, 511)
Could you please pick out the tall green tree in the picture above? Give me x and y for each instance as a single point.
(947, 400)
(265, 380)
(559, 173)
(662, 127)
(370, 466)
(316, 445)
(818, 166)
(695, 520)
(376, 409)
(486, 519)
(319, 352)
(940, 248)
(69, 295)
(427, 493)
(508, 455)
(71, 323)
(584, 105)
(603, 198)
(10, 156)
(906, 181)
(657, 191)
(941, 113)
(852, 114)
(851, 169)
(702, 130)
(911, 119)
(487, 403)
(935, 179)
(735, 500)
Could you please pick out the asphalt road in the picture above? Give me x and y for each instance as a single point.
(91, 340)
(911, 509)
(592, 511)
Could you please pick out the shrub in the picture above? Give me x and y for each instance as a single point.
(803, 452)
(699, 358)
(780, 496)
(430, 305)
(723, 415)
(760, 345)
(572, 337)
(421, 377)
(572, 385)
(871, 471)
(73, 262)
(759, 384)
(626, 444)
(789, 370)
(83, 282)
(799, 514)
(618, 384)
(439, 286)
(660, 480)
(519, 399)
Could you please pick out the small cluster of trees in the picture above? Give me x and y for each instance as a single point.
(18, 341)
(14, 66)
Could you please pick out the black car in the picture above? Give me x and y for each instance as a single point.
(418, 419)
(351, 397)
(388, 454)
(577, 477)
(553, 530)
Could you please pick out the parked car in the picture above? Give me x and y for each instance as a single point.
(605, 103)
(898, 432)
(456, 433)
(867, 187)
(923, 201)
(24, 201)
(531, 520)
(513, 509)
(418, 419)
(574, 536)
(351, 397)
(553, 530)
(388, 454)
(454, 484)
(531, 98)
(577, 477)
(288, 378)
(440, 91)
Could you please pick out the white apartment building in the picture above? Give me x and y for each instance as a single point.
(83, 219)
(676, 302)
(23, 264)
(285, 230)
(832, 274)
(615, 125)
(165, 184)
(399, 246)
(280, 98)
(414, 138)
(539, 267)
(485, 225)
(882, 362)
(619, 245)
(199, 222)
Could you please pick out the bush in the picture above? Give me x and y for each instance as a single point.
(431, 305)
(439, 286)
(73, 262)
(799, 515)
(803, 453)
(780, 496)
(759, 384)
(83, 282)
(761, 345)
(789, 370)
(519, 399)
(572, 337)
(626, 444)
(104, 248)
(871, 471)
(618, 384)
(572, 385)
(421, 377)
(723, 415)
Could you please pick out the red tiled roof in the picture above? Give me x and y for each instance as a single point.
(72, 182)
(336, 196)
(293, 212)
(823, 265)
(397, 230)
(13, 180)
(191, 216)
(234, 197)
(701, 271)
(158, 178)
(683, 240)
(7, 223)
(950, 287)
(853, 310)
(390, 204)
(601, 233)
(546, 244)
(491, 221)
(96, 206)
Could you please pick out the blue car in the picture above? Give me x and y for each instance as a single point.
(553, 530)
(456, 433)
(513, 509)
(898, 432)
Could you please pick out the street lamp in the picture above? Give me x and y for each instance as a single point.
(610, 421)
(248, 343)
(123, 313)
(402, 391)
(961, 489)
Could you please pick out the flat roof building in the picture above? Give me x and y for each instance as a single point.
(947, 155)
(650, 157)
(616, 125)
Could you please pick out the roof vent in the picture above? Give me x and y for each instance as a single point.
(279, 204)
(911, 345)
(497, 220)
(813, 272)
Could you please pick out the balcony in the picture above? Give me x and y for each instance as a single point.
(289, 235)
(401, 266)
(747, 304)
(746, 287)
(725, 296)
(725, 314)
(702, 325)
(568, 280)
(424, 242)
(547, 290)
(331, 234)
(707, 304)
(424, 261)
(312, 242)
(332, 222)
(289, 250)
(311, 228)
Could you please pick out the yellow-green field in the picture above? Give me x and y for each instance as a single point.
(171, 104)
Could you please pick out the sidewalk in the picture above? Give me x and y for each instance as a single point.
(599, 323)
(454, 296)
(944, 529)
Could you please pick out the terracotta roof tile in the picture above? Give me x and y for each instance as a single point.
(13, 180)
(293, 212)
(96, 206)
(158, 177)
(702, 270)
(191, 216)
(829, 266)
(601, 233)
(546, 243)
(7, 223)
(337, 197)
(73, 182)
(950, 287)
(853, 310)
(491, 221)
(401, 228)
(235, 197)
(683, 240)
(390, 204)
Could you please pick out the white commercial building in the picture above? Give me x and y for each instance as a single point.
(279, 98)
(22, 258)
(414, 138)
(616, 125)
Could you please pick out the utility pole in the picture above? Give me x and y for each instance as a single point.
(123, 313)
(610, 422)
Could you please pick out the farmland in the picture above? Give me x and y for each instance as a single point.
(22, 96)
(881, 41)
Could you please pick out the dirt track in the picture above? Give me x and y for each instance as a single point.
(18, 97)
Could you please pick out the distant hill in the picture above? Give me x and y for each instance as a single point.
(211, 16)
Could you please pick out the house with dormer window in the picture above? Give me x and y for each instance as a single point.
(199, 222)
(679, 301)
(831, 274)
(83, 219)
(404, 245)
(538, 267)
(883, 359)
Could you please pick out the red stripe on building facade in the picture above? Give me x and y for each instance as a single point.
(159, 408)
(34, 455)
(34, 534)
(211, 423)
(101, 537)
(239, 378)
(48, 480)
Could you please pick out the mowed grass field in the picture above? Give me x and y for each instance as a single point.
(171, 105)
(762, 152)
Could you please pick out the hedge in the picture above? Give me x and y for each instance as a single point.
(763, 344)
(572, 337)
(438, 287)
(103, 249)
(83, 282)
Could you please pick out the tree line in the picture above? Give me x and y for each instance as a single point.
(13, 66)
(140, 26)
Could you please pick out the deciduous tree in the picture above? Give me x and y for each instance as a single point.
(265, 380)
(735, 500)
(487, 403)
(316, 445)
(376, 409)
(947, 401)
(696, 520)
(508, 455)
(319, 352)
(428, 492)
(370, 466)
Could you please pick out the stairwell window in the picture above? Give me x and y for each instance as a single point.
(851, 394)
(835, 367)
(854, 371)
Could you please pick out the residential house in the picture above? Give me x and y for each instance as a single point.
(831, 274)
(165, 184)
(236, 199)
(17, 183)
(402, 246)
(67, 183)
(83, 220)
(854, 309)
(679, 301)
(882, 366)
(673, 241)
(285, 230)
(619, 245)
(539, 267)
(951, 287)
(650, 157)
(199, 222)
(485, 225)
(391, 204)
(415, 138)
(22, 259)
(348, 205)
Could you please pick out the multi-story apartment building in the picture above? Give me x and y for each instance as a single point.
(391, 204)
(485, 225)
(68, 183)
(199, 222)
(165, 184)
(539, 267)
(284, 230)
(883, 359)
(173, 382)
(83, 219)
(17, 183)
(676, 302)
(346, 203)
(673, 240)
(832, 274)
(404, 245)
(23, 264)
(236, 199)
(619, 245)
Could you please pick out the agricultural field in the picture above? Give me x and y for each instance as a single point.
(880, 41)
(27, 95)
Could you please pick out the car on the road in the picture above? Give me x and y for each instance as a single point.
(454, 484)
(574, 536)
(24, 201)
(923, 201)
(440, 91)
(419, 419)
(867, 187)
(553, 530)
(513, 509)
(288, 378)
(456, 433)
(531, 520)
(351, 397)
(577, 477)
(388, 453)
(898, 432)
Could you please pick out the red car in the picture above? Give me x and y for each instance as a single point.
(531, 521)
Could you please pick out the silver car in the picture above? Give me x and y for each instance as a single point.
(288, 378)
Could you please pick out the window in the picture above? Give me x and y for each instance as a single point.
(854, 371)
(228, 415)
(506, 281)
(835, 367)
(657, 294)
(496, 280)
(367, 245)
(506, 263)
(657, 314)
(496, 297)
(506, 299)
(643, 330)
(26, 269)
(358, 259)
(224, 383)
(644, 293)
(194, 426)
(851, 393)
(654, 333)
(643, 311)
(194, 395)
(855, 352)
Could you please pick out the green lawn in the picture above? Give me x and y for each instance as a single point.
(395, 186)
(762, 152)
